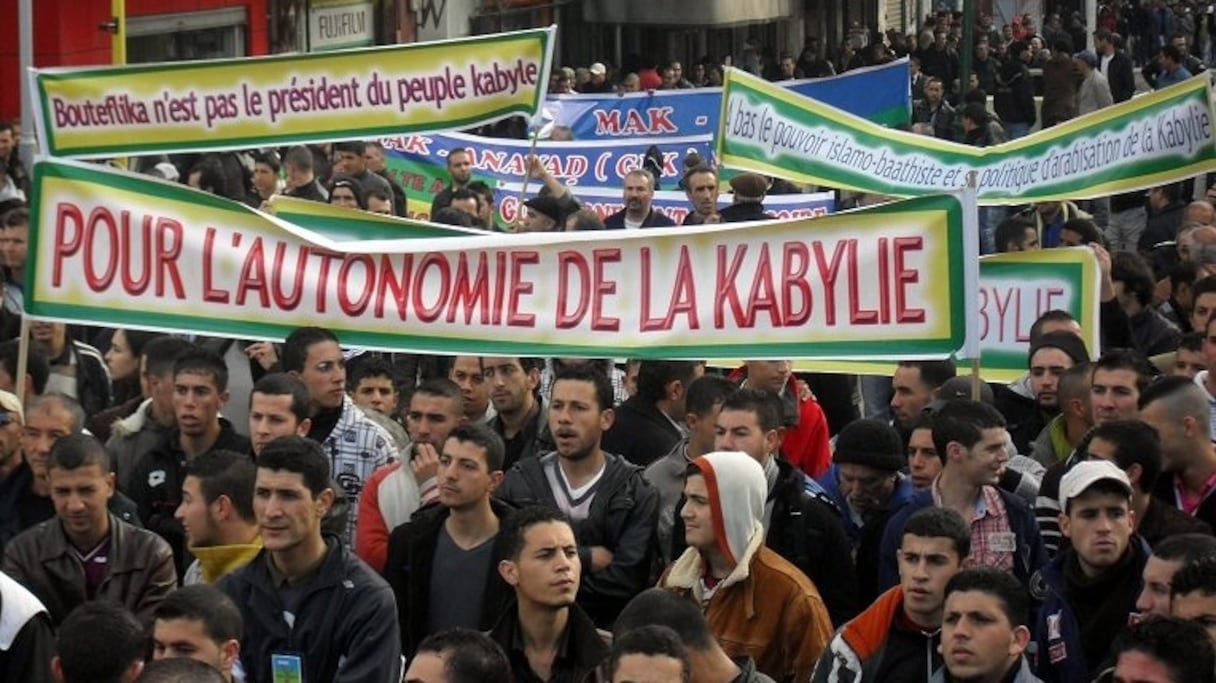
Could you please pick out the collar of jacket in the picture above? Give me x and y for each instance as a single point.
(57, 544)
(687, 570)
(220, 560)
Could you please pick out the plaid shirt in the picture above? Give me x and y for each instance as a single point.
(356, 447)
(993, 543)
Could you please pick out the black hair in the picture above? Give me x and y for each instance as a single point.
(526, 363)
(469, 656)
(1134, 272)
(933, 373)
(36, 365)
(976, 112)
(655, 375)
(270, 158)
(179, 670)
(1182, 646)
(298, 455)
(1185, 548)
(510, 542)
(369, 366)
(17, 218)
(1174, 54)
(707, 391)
(350, 146)
(98, 642)
(589, 372)
(963, 421)
(75, 451)
(656, 606)
(297, 344)
(1012, 229)
(584, 219)
(652, 641)
(300, 157)
(1136, 443)
(162, 352)
(211, 175)
(349, 182)
(1191, 341)
(1126, 359)
(203, 602)
(482, 190)
(1055, 315)
(1198, 576)
(764, 404)
(450, 216)
(466, 193)
(283, 384)
(485, 438)
(226, 473)
(940, 522)
(442, 387)
(1000, 584)
(203, 362)
(1085, 228)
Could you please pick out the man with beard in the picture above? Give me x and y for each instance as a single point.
(460, 169)
(638, 212)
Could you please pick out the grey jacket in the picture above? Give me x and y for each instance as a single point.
(1024, 675)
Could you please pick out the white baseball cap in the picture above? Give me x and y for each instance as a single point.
(1085, 474)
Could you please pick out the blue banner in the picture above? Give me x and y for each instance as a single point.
(602, 163)
(605, 202)
(881, 94)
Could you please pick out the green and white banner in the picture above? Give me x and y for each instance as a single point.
(286, 99)
(895, 281)
(1158, 138)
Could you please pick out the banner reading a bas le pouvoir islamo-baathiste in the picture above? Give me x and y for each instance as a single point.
(286, 99)
(675, 205)
(1158, 138)
(881, 94)
(1014, 290)
(890, 280)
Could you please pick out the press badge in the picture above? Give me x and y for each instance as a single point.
(286, 668)
(1003, 542)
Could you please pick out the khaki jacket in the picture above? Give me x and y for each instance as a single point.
(141, 568)
(766, 609)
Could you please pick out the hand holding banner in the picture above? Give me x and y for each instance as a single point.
(285, 99)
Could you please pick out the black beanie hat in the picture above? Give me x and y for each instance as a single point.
(869, 442)
(1067, 342)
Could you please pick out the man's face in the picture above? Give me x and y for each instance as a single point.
(638, 192)
(49, 336)
(324, 374)
(265, 179)
(1198, 607)
(669, 79)
(7, 142)
(344, 196)
(510, 385)
(739, 430)
(923, 461)
(384, 207)
(270, 417)
(466, 373)
(982, 463)
(787, 67)
(1030, 240)
(373, 158)
(576, 419)
(350, 162)
(697, 515)
(187, 638)
(678, 70)
(640, 668)
(465, 478)
(285, 509)
(80, 498)
(1204, 305)
(864, 487)
(1046, 366)
(1189, 363)
(909, 395)
(460, 167)
(1158, 577)
(196, 402)
(547, 570)
(1113, 395)
(978, 642)
(769, 375)
(377, 393)
(703, 193)
(926, 565)
(195, 515)
(535, 221)
(1099, 525)
(1176, 446)
(44, 425)
(933, 92)
(13, 246)
(431, 418)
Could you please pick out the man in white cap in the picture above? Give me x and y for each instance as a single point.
(1091, 586)
(756, 603)
(599, 79)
